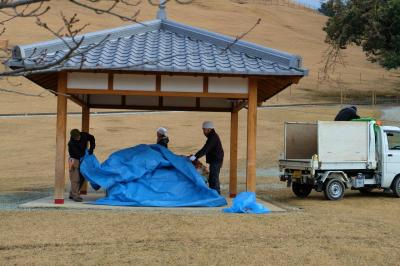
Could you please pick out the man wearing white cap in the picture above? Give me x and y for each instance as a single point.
(162, 137)
(214, 154)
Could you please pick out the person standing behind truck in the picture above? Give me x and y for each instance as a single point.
(347, 114)
(214, 154)
(77, 146)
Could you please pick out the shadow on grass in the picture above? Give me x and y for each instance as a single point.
(10, 200)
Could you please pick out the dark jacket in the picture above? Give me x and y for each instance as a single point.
(163, 141)
(77, 148)
(347, 114)
(212, 149)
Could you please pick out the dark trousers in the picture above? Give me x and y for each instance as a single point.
(213, 177)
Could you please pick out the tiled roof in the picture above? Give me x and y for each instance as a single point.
(162, 46)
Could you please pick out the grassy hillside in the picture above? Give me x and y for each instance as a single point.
(283, 27)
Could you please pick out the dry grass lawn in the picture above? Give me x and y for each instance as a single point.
(358, 230)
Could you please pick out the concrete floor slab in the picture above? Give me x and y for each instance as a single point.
(48, 202)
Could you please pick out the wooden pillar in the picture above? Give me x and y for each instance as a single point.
(251, 136)
(85, 128)
(59, 185)
(233, 155)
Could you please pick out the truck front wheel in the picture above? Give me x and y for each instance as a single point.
(396, 187)
(301, 190)
(334, 189)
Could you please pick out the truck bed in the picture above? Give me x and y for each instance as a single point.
(303, 164)
(332, 144)
(298, 164)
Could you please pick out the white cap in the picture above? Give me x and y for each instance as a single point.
(163, 131)
(208, 124)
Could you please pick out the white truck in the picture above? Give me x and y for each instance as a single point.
(332, 156)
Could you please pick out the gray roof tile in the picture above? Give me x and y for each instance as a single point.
(163, 45)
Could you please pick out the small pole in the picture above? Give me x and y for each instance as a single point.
(341, 95)
(373, 97)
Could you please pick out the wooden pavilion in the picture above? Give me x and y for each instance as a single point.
(161, 65)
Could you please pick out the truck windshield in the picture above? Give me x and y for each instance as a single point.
(393, 140)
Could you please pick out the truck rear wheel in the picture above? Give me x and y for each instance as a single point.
(396, 187)
(334, 189)
(301, 190)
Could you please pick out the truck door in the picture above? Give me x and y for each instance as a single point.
(392, 157)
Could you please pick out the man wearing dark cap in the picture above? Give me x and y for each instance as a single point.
(347, 114)
(214, 154)
(77, 146)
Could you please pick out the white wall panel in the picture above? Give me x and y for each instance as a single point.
(227, 85)
(106, 99)
(212, 102)
(181, 84)
(342, 141)
(133, 82)
(77, 80)
(179, 101)
(142, 100)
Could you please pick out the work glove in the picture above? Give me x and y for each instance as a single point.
(192, 158)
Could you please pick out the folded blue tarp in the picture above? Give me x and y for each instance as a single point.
(245, 202)
(149, 175)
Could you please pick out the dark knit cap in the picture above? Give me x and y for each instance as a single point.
(75, 133)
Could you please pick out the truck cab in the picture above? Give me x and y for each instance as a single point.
(390, 158)
(332, 156)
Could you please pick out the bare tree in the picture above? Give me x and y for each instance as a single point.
(72, 27)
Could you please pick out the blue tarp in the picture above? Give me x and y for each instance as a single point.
(245, 202)
(149, 175)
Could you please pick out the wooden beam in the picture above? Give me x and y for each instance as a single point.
(156, 93)
(233, 155)
(110, 81)
(85, 128)
(239, 106)
(161, 108)
(251, 137)
(76, 100)
(205, 84)
(85, 119)
(61, 128)
(158, 83)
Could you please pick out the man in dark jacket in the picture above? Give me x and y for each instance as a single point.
(77, 146)
(214, 154)
(347, 114)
